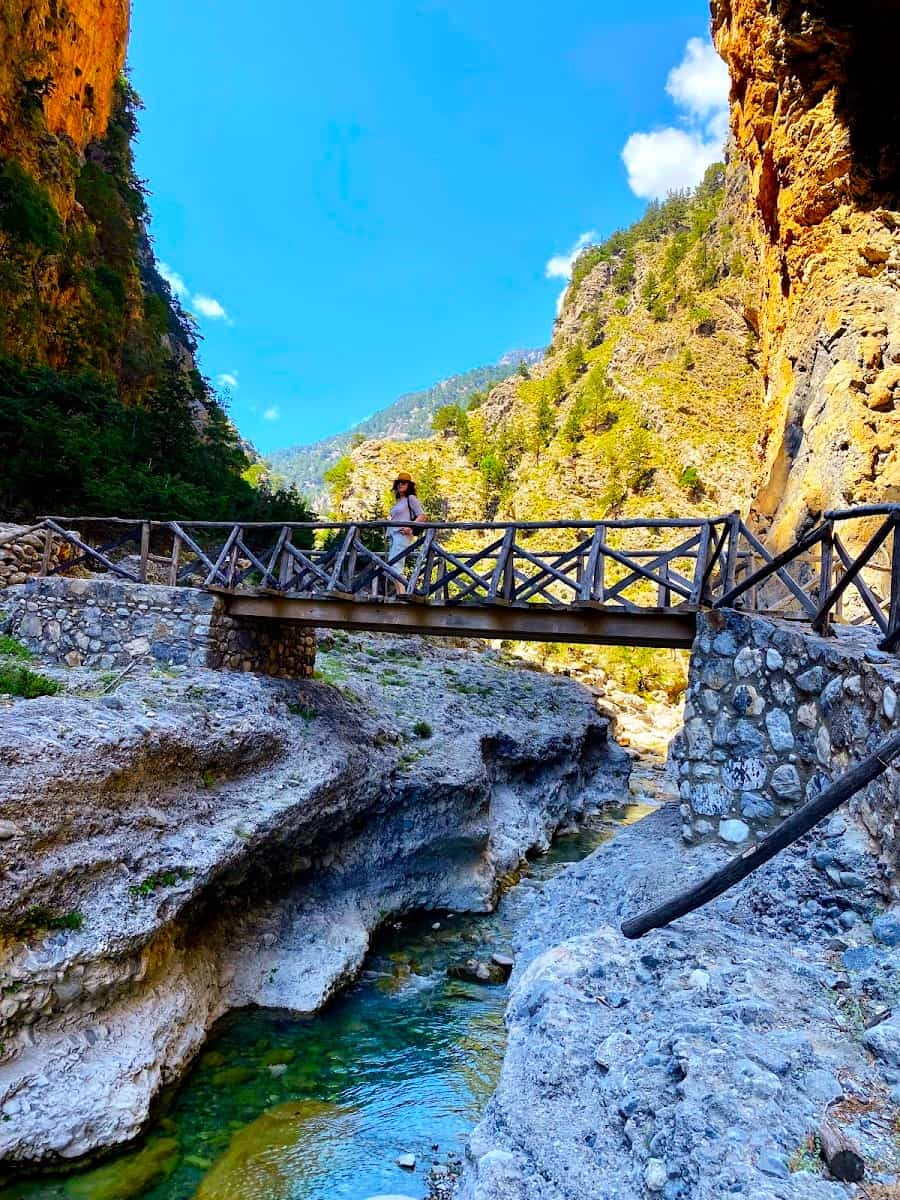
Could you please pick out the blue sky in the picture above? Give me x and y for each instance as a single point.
(362, 197)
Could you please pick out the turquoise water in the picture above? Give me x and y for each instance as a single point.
(285, 1108)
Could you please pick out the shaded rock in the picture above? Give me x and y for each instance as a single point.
(886, 928)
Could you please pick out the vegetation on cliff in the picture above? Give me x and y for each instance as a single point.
(314, 468)
(102, 409)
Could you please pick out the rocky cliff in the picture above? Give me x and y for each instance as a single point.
(816, 128)
(78, 284)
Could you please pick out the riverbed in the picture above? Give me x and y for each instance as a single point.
(280, 1107)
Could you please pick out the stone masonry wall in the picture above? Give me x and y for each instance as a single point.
(773, 715)
(110, 623)
(24, 557)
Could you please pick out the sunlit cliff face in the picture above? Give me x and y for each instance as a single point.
(815, 125)
(58, 67)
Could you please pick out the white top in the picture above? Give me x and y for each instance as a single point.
(407, 508)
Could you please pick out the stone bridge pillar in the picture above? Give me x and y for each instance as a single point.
(265, 646)
(774, 713)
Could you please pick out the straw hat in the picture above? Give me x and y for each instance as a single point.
(403, 477)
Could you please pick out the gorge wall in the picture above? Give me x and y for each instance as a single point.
(78, 285)
(816, 129)
(190, 841)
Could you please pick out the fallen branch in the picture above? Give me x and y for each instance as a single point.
(118, 679)
(787, 832)
(840, 1154)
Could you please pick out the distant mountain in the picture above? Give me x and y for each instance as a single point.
(408, 417)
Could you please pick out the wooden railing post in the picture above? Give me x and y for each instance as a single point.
(592, 582)
(145, 551)
(826, 564)
(892, 637)
(696, 597)
(48, 551)
(285, 562)
(173, 563)
(731, 555)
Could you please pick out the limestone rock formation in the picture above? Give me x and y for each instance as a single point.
(196, 841)
(815, 124)
(58, 69)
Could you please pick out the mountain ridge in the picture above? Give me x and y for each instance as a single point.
(408, 417)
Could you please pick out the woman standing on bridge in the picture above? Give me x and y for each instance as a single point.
(407, 508)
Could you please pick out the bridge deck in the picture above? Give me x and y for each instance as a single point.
(659, 627)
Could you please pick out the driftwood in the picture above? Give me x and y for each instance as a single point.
(840, 1154)
(787, 832)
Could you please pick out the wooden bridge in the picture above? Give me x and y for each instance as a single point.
(634, 582)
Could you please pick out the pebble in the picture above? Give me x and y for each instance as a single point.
(8, 829)
(407, 1161)
(655, 1175)
(699, 980)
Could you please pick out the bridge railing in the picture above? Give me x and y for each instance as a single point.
(560, 563)
(846, 568)
(629, 564)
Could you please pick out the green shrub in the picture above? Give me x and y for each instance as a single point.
(98, 194)
(10, 648)
(108, 290)
(21, 681)
(422, 729)
(38, 918)
(692, 483)
(161, 879)
(26, 211)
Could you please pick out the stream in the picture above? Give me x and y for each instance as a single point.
(281, 1107)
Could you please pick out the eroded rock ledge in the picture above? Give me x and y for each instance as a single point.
(698, 1062)
(192, 841)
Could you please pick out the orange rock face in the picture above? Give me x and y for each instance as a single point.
(64, 58)
(815, 124)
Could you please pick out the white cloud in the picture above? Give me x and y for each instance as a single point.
(560, 265)
(676, 156)
(174, 280)
(272, 414)
(664, 161)
(228, 379)
(208, 307)
(699, 84)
